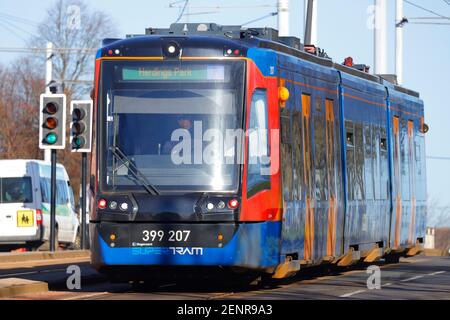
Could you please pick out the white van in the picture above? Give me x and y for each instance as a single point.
(25, 205)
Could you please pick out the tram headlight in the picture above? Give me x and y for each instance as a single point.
(124, 206)
(171, 49)
(221, 205)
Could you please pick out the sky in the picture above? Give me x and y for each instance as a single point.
(342, 32)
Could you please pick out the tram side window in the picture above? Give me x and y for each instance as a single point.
(297, 141)
(404, 156)
(368, 161)
(307, 145)
(384, 165)
(376, 161)
(420, 168)
(350, 134)
(258, 176)
(331, 146)
(359, 162)
(286, 155)
(320, 151)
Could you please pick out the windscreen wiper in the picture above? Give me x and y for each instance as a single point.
(134, 170)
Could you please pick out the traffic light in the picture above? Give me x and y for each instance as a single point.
(81, 126)
(52, 121)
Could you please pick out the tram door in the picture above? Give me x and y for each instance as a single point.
(331, 176)
(397, 183)
(308, 178)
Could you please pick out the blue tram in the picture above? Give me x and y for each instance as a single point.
(326, 162)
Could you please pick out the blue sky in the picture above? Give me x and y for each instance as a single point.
(342, 32)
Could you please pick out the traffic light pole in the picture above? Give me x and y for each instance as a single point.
(53, 202)
(83, 199)
(48, 82)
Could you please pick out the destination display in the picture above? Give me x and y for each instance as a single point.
(174, 73)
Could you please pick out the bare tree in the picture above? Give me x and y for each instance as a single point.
(20, 86)
(438, 215)
(72, 24)
(69, 25)
(76, 31)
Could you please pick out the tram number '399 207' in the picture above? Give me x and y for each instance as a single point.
(162, 236)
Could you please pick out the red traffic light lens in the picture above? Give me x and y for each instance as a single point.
(78, 128)
(51, 123)
(78, 114)
(51, 108)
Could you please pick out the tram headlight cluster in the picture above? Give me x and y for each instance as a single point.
(103, 204)
(218, 205)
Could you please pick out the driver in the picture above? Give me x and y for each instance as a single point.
(186, 123)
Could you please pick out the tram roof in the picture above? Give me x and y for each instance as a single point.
(212, 40)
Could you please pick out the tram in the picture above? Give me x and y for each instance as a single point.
(224, 147)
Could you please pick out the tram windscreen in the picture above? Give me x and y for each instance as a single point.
(178, 123)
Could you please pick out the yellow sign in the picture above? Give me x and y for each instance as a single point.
(25, 219)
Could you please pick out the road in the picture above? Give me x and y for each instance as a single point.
(419, 277)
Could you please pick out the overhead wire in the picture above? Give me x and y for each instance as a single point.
(12, 31)
(432, 23)
(438, 158)
(272, 14)
(425, 9)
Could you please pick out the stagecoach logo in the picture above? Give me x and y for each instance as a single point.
(187, 251)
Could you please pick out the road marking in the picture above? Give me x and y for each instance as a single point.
(411, 279)
(87, 296)
(390, 284)
(405, 260)
(347, 295)
(229, 294)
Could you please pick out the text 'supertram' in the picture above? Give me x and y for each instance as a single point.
(223, 147)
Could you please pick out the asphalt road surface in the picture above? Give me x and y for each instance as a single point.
(420, 277)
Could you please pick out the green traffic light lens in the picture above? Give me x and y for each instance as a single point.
(51, 138)
(78, 142)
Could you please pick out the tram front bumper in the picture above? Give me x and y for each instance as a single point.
(247, 245)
